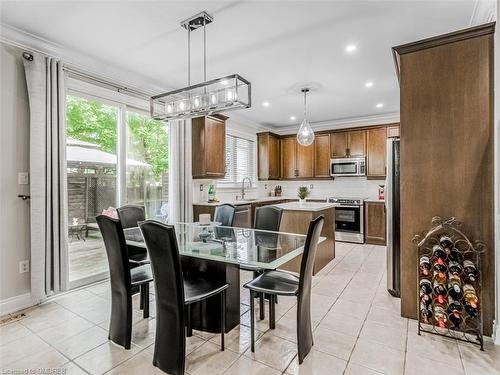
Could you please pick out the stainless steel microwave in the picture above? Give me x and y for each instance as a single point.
(344, 167)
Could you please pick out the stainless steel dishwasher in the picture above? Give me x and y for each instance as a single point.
(243, 216)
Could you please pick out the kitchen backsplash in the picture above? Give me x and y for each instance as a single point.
(340, 187)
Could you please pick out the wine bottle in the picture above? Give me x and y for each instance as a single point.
(426, 286)
(425, 298)
(470, 295)
(425, 265)
(470, 271)
(455, 287)
(440, 277)
(425, 313)
(455, 268)
(438, 252)
(439, 289)
(446, 243)
(456, 318)
(441, 300)
(440, 265)
(440, 316)
(456, 256)
(471, 310)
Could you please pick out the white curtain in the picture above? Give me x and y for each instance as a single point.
(180, 177)
(45, 81)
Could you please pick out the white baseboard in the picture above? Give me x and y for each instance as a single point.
(496, 334)
(13, 304)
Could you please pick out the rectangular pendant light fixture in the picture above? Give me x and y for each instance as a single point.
(206, 98)
(214, 96)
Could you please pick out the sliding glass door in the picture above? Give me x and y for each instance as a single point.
(147, 164)
(92, 185)
(116, 154)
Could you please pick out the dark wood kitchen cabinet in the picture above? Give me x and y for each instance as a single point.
(297, 161)
(322, 156)
(376, 153)
(348, 144)
(288, 155)
(208, 146)
(268, 156)
(375, 224)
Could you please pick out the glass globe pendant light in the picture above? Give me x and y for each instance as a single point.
(305, 135)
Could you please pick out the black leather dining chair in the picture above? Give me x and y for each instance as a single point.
(124, 280)
(174, 295)
(282, 283)
(224, 214)
(130, 215)
(266, 218)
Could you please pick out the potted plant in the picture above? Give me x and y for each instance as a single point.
(303, 193)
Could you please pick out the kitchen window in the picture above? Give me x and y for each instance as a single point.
(240, 161)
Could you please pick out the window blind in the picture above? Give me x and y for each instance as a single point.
(240, 161)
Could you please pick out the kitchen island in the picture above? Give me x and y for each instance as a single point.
(296, 218)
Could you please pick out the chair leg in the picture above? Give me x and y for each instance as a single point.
(145, 302)
(189, 329)
(141, 297)
(272, 312)
(261, 306)
(223, 319)
(252, 323)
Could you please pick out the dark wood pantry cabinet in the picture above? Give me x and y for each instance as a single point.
(375, 224)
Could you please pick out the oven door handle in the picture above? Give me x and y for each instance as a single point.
(348, 206)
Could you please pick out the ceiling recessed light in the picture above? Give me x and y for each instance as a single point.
(369, 84)
(293, 118)
(379, 105)
(266, 104)
(351, 48)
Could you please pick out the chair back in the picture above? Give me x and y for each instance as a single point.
(304, 329)
(309, 254)
(131, 214)
(268, 218)
(120, 280)
(170, 343)
(224, 214)
(116, 250)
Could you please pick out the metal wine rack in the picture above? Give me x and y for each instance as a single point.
(471, 328)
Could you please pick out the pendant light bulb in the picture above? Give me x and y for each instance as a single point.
(305, 135)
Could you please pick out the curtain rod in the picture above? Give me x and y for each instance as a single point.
(76, 72)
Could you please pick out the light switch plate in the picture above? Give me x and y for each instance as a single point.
(23, 178)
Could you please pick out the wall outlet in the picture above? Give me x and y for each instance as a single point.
(201, 187)
(23, 178)
(24, 266)
(265, 186)
(311, 186)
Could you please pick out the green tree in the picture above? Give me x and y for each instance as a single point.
(95, 122)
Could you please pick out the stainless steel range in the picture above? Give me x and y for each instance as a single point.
(348, 219)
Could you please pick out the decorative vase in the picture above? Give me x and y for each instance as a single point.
(302, 202)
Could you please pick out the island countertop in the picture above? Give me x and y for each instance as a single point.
(307, 206)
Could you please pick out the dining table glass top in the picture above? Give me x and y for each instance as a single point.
(246, 247)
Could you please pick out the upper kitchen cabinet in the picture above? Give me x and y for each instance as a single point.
(376, 156)
(393, 131)
(288, 156)
(322, 155)
(347, 144)
(268, 155)
(297, 161)
(304, 160)
(208, 146)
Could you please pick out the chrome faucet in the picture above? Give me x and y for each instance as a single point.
(243, 187)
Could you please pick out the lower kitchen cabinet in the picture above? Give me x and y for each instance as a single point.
(375, 223)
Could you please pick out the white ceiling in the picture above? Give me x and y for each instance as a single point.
(278, 45)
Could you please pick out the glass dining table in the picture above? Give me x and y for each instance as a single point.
(218, 253)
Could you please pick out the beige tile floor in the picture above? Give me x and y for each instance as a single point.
(357, 330)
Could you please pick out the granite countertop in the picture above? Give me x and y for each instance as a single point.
(307, 206)
(241, 202)
(375, 200)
